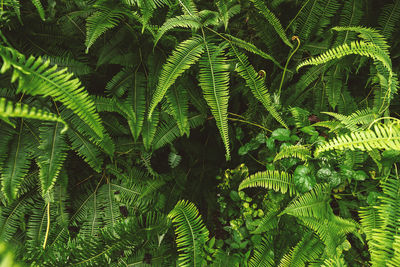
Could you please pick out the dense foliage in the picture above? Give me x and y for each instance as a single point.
(121, 121)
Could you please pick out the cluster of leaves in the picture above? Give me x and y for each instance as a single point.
(115, 116)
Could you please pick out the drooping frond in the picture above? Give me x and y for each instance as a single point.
(185, 55)
(183, 21)
(356, 48)
(39, 8)
(227, 9)
(273, 20)
(331, 231)
(300, 116)
(251, 48)
(278, 181)
(312, 204)
(191, 234)
(16, 165)
(178, 103)
(135, 105)
(389, 18)
(263, 254)
(36, 77)
(256, 84)
(368, 34)
(362, 117)
(169, 131)
(381, 137)
(106, 17)
(214, 80)
(20, 110)
(294, 151)
(149, 129)
(309, 248)
(53, 148)
(188, 7)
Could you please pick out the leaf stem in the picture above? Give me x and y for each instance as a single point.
(287, 62)
(48, 226)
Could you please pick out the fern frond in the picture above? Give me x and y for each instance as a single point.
(331, 231)
(356, 48)
(263, 254)
(278, 181)
(16, 165)
(368, 34)
(267, 223)
(389, 18)
(309, 248)
(185, 55)
(227, 10)
(214, 80)
(169, 131)
(174, 159)
(381, 137)
(37, 78)
(20, 110)
(364, 117)
(39, 8)
(369, 218)
(178, 102)
(107, 17)
(351, 15)
(294, 151)
(250, 48)
(300, 116)
(191, 234)
(135, 105)
(256, 84)
(149, 129)
(312, 204)
(273, 20)
(53, 148)
(188, 7)
(182, 21)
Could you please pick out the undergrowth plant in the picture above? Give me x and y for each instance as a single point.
(199, 133)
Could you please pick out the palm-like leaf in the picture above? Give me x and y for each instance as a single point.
(312, 204)
(37, 78)
(178, 103)
(191, 233)
(214, 80)
(278, 181)
(186, 54)
(256, 84)
(263, 255)
(381, 137)
(53, 148)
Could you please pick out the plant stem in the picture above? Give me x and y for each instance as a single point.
(48, 226)
(287, 62)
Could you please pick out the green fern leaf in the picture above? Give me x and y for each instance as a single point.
(278, 181)
(183, 21)
(296, 151)
(256, 84)
(273, 20)
(186, 54)
(37, 78)
(263, 254)
(107, 17)
(188, 7)
(191, 234)
(53, 148)
(389, 18)
(251, 48)
(214, 80)
(381, 137)
(308, 249)
(149, 129)
(178, 103)
(39, 8)
(16, 165)
(9, 109)
(357, 48)
(312, 204)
